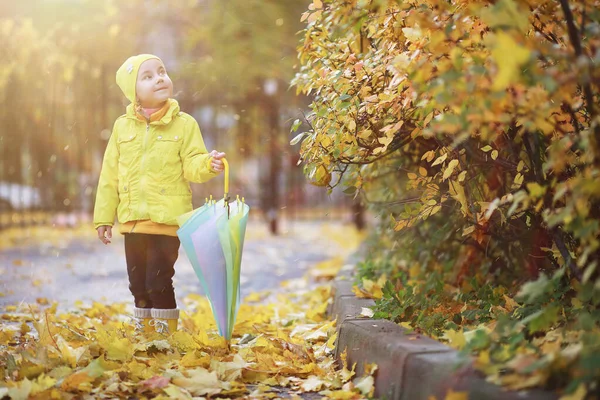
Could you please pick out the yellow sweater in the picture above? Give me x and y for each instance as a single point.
(147, 226)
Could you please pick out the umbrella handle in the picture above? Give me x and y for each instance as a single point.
(226, 186)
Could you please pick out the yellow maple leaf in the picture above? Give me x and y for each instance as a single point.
(317, 313)
(347, 374)
(45, 328)
(21, 390)
(371, 289)
(42, 383)
(78, 381)
(455, 338)
(183, 341)
(229, 371)
(70, 355)
(199, 382)
(331, 342)
(138, 370)
(366, 385)
(119, 350)
(176, 393)
(191, 360)
(360, 293)
(312, 384)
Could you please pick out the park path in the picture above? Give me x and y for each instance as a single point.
(72, 265)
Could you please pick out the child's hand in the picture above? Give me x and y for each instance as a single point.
(216, 163)
(105, 233)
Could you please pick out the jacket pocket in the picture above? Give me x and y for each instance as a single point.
(129, 148)
(166, 151)
(168, 144)
(127, 137)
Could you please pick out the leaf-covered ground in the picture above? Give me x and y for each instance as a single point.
(282, 346)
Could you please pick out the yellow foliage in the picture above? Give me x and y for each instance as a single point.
(370, 289)
(508, 67)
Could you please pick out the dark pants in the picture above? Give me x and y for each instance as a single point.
(150, 261)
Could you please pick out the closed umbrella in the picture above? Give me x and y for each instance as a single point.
(212, 237)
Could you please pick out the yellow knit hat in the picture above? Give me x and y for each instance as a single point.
(127, 74)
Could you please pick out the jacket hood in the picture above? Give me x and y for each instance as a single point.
(127, 74)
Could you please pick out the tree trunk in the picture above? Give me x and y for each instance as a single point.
(272, 110)
(12, 137)
(244, 134)
(358, 214)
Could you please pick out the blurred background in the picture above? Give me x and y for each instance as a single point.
(230, 61)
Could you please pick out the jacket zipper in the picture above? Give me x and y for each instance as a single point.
(143, 206)
(133, 227)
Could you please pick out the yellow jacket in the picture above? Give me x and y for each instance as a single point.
(147, 168)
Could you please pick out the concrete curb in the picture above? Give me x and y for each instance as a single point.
(410, 366)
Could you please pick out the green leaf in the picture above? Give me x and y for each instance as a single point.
(531, 291)
(297, 139)
(295, 125)
(543, 319)
(477, 339)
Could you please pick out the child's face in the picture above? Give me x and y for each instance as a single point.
(153, 86)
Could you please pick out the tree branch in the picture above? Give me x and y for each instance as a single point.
(564, 252)
(575, 40)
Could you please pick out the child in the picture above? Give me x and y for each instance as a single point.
(154, 151)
